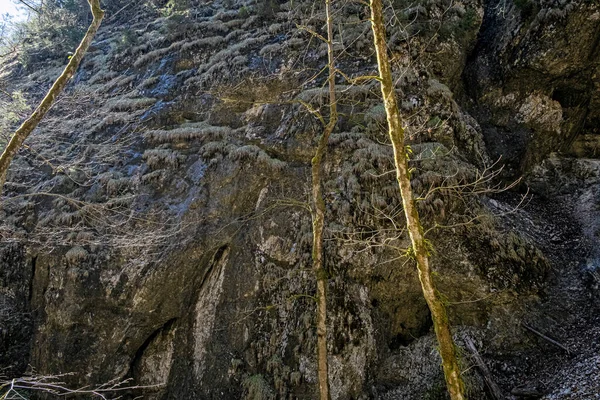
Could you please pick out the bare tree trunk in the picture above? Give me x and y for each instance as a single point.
(32, 122)
(396, 132)
(318, 217)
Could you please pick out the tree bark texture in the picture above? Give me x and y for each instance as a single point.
(32, 122)
(439, 316)
(318, 218)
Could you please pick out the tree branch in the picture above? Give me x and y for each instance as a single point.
(59, 85)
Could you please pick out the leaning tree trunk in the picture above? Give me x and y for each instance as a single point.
(396, 132)
(32, 122)
(318, 217)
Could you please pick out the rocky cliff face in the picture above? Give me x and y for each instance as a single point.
(534, 78)
(156, 227)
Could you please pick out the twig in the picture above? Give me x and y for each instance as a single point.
(527, 392)
(29, 6)
(540, 334)
(487, 376)
(112, 17)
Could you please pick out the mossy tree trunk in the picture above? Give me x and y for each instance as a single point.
(32, 122)
(318, 218)
(439, 316)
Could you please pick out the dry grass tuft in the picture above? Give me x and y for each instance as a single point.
(163, 158)
(189, 132)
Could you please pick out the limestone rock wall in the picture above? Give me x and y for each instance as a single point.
(160, 231)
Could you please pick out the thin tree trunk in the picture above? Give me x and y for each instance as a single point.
(32, 122)
(318, 217)
(396, 132)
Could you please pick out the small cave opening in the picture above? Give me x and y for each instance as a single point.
(400, 340)
(407, 336)
(569, 97)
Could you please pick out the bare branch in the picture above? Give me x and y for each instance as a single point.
(32, 122)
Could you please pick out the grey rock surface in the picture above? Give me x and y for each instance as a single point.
(160, 231)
